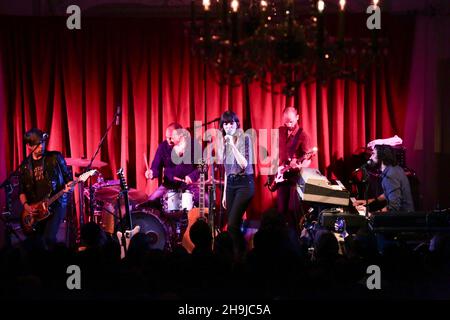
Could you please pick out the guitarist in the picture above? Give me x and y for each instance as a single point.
(40, 176)
(294, 143)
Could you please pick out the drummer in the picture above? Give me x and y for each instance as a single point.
(177, 157)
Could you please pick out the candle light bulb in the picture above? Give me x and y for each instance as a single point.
(263, 5)
(320, 6)
(341, 23)
(375, 3)
(206, 4)
(235, 5)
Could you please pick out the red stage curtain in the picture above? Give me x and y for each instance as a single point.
(70, 83)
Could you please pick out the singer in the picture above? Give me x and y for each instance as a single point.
(239, 189)
(43, 174)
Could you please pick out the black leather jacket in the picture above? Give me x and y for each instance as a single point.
(56, 173)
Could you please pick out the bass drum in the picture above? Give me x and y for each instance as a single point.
(156, 228)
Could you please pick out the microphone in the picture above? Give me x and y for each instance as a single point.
(44, 137)
(118, 114)
(228, 138)
(368, 163)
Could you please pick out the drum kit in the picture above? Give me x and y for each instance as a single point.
(104, 197)
(164, 224)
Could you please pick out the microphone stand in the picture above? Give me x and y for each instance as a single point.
(101, 142)
(222, 189)
(211, 121)
(81, 184)
(205, 124)
(212, 201)
(366, 190)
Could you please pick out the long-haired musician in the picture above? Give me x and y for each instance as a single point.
(239, 189)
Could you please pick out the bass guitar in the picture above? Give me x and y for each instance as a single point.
(282, 171)
(41, 210)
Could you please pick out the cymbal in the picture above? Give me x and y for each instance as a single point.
(78, 162)
(137, 196)
(107, 193)
(110, 194)
(106, 183)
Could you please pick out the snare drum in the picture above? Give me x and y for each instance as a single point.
(172, 201)
(187, 200)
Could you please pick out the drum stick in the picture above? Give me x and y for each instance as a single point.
(178, 179)
(147, 181)
(146, 161)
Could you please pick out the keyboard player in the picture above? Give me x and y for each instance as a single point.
(396, 188)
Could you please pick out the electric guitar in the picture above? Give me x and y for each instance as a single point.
(41, 210)
(272, 185)
(196, 213)
(125, 238)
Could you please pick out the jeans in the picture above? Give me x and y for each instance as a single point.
(240, 191)
(289, 203)
(290, 207)
(48, 228)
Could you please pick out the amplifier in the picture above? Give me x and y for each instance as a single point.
(400, 154)
(353, 220)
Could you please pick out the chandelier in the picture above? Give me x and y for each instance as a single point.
(276, 42)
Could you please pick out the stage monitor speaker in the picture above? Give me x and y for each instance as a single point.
(354, 221)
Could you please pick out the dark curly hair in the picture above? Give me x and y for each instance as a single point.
(386, 154)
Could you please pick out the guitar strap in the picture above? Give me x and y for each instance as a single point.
(298, 142)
